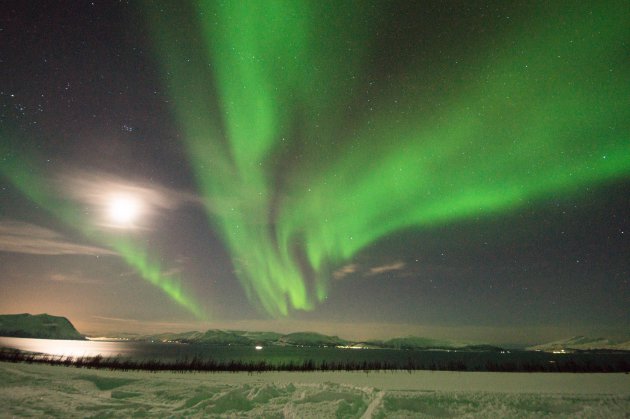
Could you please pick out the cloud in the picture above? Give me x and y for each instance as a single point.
(345, 271)
(96, 192)
(72, 279)
(396, 266)
(352, 268)
(20, 237)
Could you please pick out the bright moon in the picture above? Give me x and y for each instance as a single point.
(123, 209)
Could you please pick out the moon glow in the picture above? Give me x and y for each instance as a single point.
(123, 210)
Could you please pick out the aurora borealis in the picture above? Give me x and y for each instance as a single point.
(34, 186)
(294, 146)
(441, 167)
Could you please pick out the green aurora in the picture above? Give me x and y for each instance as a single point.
(35, 185)
(301, 169)
(546, 111)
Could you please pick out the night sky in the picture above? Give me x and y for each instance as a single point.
(369, 169)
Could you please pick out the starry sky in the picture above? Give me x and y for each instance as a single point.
(455, 170)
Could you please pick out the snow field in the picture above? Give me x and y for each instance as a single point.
(41, 390)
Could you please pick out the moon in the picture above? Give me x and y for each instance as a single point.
(124, 210)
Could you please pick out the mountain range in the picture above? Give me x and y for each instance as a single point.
(309, 339)
(45, 326)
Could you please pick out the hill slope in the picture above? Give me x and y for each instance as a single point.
(41, 326)
(582, 343)
(421, 343)
(309, 339)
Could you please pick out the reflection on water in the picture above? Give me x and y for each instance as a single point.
(277, 355)
(128, 349)
(73, 348)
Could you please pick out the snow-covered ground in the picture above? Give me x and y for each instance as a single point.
(41, 390)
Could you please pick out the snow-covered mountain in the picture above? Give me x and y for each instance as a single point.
(583, 343)
(310, 339)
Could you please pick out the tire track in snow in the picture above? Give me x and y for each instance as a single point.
(373, 405)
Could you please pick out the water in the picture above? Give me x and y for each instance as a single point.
(126, 349)
(281, 355)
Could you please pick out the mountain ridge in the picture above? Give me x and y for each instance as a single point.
(582, 343)
(45, 326)
(305, 339)
(39, 326)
